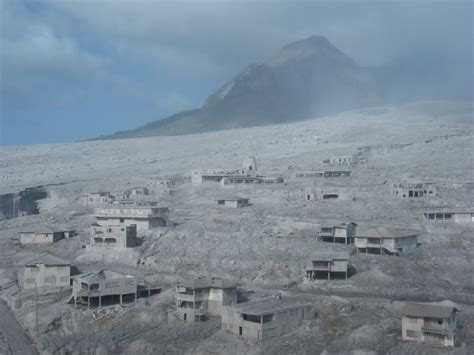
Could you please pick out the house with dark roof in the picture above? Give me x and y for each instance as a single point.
(45, 270)
(196, 299)
(266, 318)
(386, 241)
(429, 323)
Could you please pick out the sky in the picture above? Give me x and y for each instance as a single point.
(72, 70)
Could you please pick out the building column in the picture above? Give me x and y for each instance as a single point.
(100, 301)
(120, 298)
(88, 302)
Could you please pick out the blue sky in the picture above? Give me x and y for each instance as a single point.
(73, 70)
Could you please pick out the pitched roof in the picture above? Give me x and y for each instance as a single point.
(43, 228)
(269, 305)
(202, 282)
(102, 275)
(385, 232)
(46, 259)
(427, 310)
(330, 255)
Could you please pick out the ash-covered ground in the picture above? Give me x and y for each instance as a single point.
(264, 247)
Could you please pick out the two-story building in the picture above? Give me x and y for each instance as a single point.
(386, 241)
(338, 233)
(143, 216)
(325, 264)
(265, 318)
(113, 236)
(196, 299)
(429, 323)
(43, 234)
(45, 270)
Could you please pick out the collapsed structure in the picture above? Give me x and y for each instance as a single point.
(136, 192)
(455, 216)
(246, 175)
(325, 264)
(429, 323)
(386, 241)
(143, 216)
(338, 233)
(97, 198)
(413, 189)
(265, 318)
(196, 299)
(113, 236)
(234, 202)
(45, 270)
(43, 234)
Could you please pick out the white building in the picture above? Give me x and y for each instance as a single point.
(113, 236)
(144, 217)
(198, 298)
(454, 216)
(43, 234)
(236, 202)
(45, 270)
(428, 323)
(386, 241)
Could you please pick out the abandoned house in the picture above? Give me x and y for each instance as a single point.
(386, 241)
(136, 192)
(97, 198)
(144, 217)
(43, 234)
(45, 270)
(236, 202)
(325, 264)
(454, 216)
(323, 174)
(266, 318)
(338, 233)
(428, 323)
(113, 236)
(249, 165)
(339, 160)
(413, 190)
(196, 299)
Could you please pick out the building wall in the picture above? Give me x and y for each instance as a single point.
(39, 238)
(46, 276)
(142, 224)
(464, 217)
(126, 285)
(412, 330)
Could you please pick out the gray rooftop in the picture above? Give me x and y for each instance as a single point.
(269, 305)
(206, 283)
(102, 275)
(385, 232)
(46, 259)
(328, 255)
(43, 228)
(427, 310)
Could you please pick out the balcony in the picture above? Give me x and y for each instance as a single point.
(435, 330)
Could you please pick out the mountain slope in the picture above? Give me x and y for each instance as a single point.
(307, 78)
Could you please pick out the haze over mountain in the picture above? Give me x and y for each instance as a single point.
(306, 79)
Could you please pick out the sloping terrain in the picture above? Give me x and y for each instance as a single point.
(265, 246)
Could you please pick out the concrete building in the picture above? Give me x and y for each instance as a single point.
(386, 241)
(144, 217)
(94, 286)
(413, 190)
(249, 165)
(136, 192)
(322, 174)
(325, 264)
(338, 233)
(113, 236)
(97, 198)
(453, 216)
(236, 202)
(45, 270)
(428, 323)
(198, 298)
(340, 160)
(265, 318)
(43, 234)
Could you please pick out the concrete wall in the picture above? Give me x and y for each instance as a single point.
(39, 238)
(463, 217)
(412, 330)
(46, 276)
(142, 224)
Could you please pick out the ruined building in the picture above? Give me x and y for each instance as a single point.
(97, 198)
(466, 216)
(113, 236)
(428, 323)
(196, 299)
(413, 190)
(235, 202)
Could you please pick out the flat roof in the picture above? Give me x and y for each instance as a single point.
(269, 305)
(427, 310)
(44, 228)
(204, 282)
(385, 232)
(46, 259)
